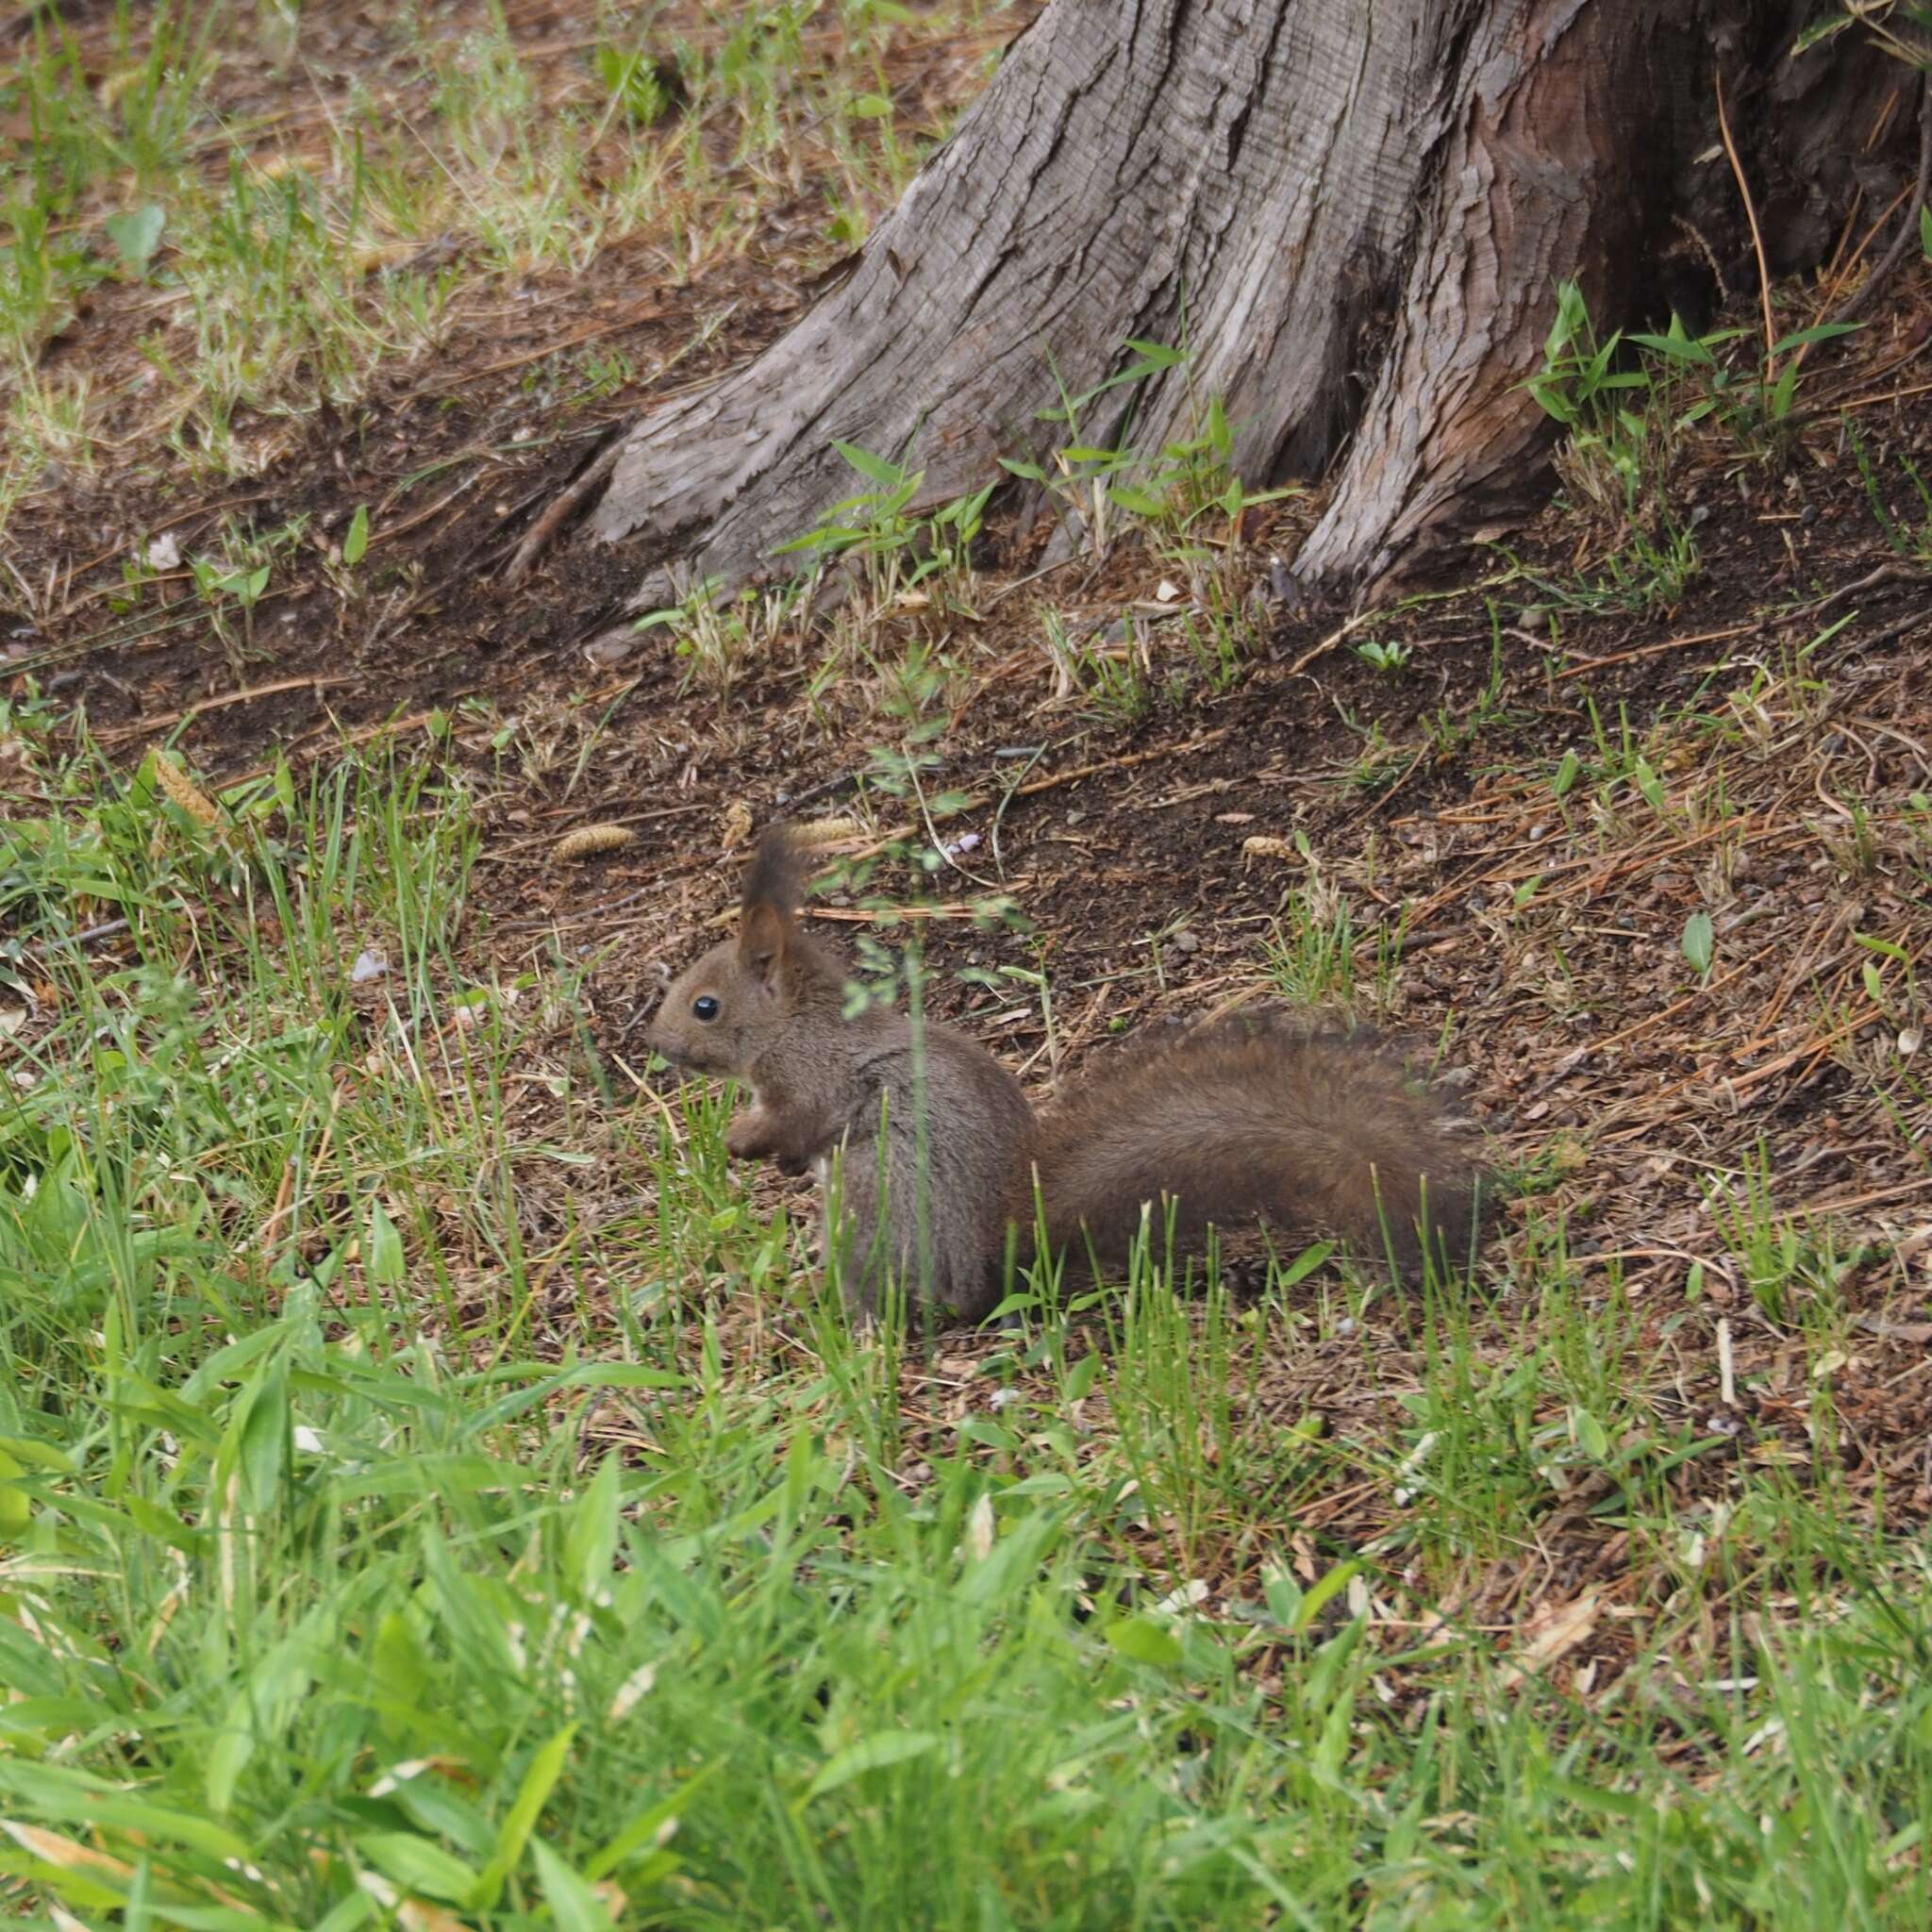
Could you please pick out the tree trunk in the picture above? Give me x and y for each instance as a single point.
(1351, 213)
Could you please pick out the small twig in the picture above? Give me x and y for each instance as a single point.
(1690, 999)
(1813, 1049)
(1045, 570)
(556, 345)
(390, 532)
(1334, 638)
(557, 925)
(1012, 792)
(1580, 665)
(932, 832)
(563, 505)
(106, 928)
(1052, 782)
(1723, 125)
(887, 915)
(216, 703)
(1884, 574)
(285, 1195)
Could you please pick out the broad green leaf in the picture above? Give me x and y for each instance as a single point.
(227, 1757)
(540, 1780)
(16, 1506)
(136, 235)
(652, 1823)
(591, 1542)
(1014, 1562)
(1159, 355)
(869, 1754)
(385, 1255)
(418, 1865)
(1322, 1590)
(1081, 1377)
(356, 540)
(1819, 332)
(1700, 942)
(1591, 1438)
(573, 1904)
(1304, 1263)
(1144, 1641)
(888, 476)
(265, 1445)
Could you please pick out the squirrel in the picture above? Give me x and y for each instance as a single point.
(1251, 1118)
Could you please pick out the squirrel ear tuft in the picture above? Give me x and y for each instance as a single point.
(774, 875)
(762, 931)
(771, 899)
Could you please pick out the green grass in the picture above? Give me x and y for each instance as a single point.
(422, 1479)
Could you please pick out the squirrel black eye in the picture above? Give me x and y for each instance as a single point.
(705, 1007)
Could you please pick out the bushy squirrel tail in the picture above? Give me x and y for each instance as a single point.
(1262, 1115)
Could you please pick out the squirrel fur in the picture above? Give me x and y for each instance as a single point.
(1255, 1117)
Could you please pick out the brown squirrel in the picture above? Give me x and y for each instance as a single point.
(1254, 1117)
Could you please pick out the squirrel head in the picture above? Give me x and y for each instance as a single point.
(724, 1012)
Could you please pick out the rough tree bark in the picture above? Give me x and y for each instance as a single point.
(1352, 212)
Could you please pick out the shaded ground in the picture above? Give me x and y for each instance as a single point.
(1756, 750)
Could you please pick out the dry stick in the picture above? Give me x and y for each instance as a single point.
(1805, 966)
(1836, 272)
(1677, 1007)
(1813, 1049)
(1884, 574)
(860, 915)
(285, 1195)
(1644, 855)
(1707, 637)
(557, 345)
(1049, 783)
(563, 505)
(1329, 642)
(442, 504)
(1909, 227)
(1827, 1204)
(1836, 278)
(216, 703)
(416, 720)
(1750, 215)
(1889, 395)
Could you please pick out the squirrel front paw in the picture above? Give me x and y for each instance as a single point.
(748, 1136)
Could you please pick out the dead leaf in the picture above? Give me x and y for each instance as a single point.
(1562, 1631)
